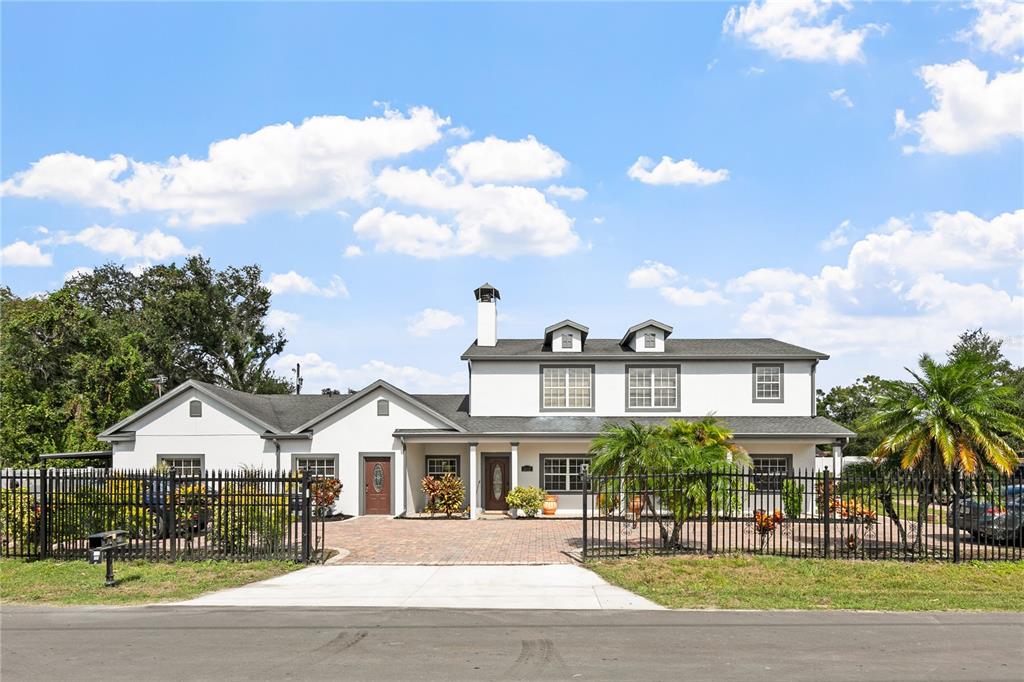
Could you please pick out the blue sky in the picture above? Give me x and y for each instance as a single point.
(845, 177)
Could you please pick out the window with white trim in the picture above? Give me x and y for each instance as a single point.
(649, 341)
(563, 473)
(183, 466)
(568, 388)
(326, 467)
(768, 382)
(567, 340)
(439, 465)
(769, 470)
(654, 387)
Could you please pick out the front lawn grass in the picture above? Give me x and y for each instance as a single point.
(138, 582)
(753, 582)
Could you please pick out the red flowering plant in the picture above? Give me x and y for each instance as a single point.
(325, 491)
(766, 524)
(862, 517)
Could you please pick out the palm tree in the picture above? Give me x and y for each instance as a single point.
(953, 418)
(661, 463)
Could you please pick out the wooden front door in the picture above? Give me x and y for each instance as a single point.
(496, 482)
(377, 485)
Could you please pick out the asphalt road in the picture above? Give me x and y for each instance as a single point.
(251, 643)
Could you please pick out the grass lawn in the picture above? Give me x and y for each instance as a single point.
(749, 582)
(138, 582)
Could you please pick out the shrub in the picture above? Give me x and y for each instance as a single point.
(325, 492)
(244, 519)
(792, 498)
(19, 519)
(445, 495)
(528, 500)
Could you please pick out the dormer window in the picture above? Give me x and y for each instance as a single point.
(567, 341)
(649, 340)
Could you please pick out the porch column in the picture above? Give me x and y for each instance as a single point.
(515, 465)
(474, 481)
(400, 476)
(837, 458)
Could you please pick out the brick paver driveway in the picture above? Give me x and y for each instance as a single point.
(385, 540)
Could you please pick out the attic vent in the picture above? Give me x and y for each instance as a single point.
(383, 409)
(195, 408)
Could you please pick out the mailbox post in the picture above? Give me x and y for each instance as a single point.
(102, 546)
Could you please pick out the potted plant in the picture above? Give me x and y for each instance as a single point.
(528, 500)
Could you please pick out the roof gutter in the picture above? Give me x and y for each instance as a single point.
(626, 357)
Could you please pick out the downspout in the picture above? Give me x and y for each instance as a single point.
(277, 456)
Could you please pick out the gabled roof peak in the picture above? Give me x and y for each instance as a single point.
(649, 323)
(551, 329)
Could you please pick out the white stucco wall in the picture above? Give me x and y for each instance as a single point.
(224, 439)
(512, 388)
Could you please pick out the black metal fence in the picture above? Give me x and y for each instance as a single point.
(169, 516)
(867, 514)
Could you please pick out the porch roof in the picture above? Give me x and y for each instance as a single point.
(454, 407)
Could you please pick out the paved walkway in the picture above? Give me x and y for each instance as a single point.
(444, 587)
(438, 542)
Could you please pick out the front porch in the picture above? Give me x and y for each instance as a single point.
(490, 469)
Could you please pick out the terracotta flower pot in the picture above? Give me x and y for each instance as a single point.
(636, 504)
(550, 505)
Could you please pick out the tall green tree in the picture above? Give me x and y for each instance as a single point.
(848, 406)
(65, 375)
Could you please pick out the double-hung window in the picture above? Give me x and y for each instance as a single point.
(567, 388)
(563, 473)
(768, 383)
(653, 388)
(318, 467)
(769, 470)
(439, 465)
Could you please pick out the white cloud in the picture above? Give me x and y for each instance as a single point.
(970, 111)
(319, 373)
(23, 254)
(571, 193)
(798, 29)
(754, 71)
(77, 272)
(353, 251)
(277, 319)
(998, 27)
(292, 282)
(495, 160)
(431, 320)
(685, 296)
(841, 97)
(412, 235)
(670, 172)
(150, 247)
(489, 220)
(837, 237)
(300, 168)
(897, 284)
(652, 274)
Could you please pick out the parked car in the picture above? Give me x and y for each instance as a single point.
(1000, 520)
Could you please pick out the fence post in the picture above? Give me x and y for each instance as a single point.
(307, 526)
(708, 482)
(827, 499)
(956, 516)
(172, 502)
(586, 494)
(44, 513)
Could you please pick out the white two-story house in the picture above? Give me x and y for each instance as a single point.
(532, 409)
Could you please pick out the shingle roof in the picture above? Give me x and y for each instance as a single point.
(284, 412)
(455, 408)
(676, 349)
